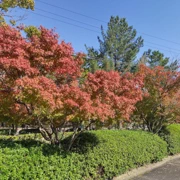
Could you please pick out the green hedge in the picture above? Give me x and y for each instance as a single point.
(4, 131)
(95, 155)
(23, 131)
(171, 134)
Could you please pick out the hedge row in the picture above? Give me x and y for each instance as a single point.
(95, 155)
(171, 134)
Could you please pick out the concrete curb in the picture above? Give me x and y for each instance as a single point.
(141, 170)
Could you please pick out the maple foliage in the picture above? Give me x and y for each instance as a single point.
(172, 104)
(41, 83)
(114, 96)
(37, 91)
(161, 88)
(46, 98)
(32, 71)
(77, 104)
(14, 61)
(13, 65)
(53, 58)
(38, 55)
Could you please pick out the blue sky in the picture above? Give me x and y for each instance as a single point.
(159, 18)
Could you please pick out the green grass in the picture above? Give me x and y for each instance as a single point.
(95, 155)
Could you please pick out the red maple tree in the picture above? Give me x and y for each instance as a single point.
(39, 77)
(113, 95)
(161, 89)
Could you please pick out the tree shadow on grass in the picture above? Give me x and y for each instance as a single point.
(82, 144)
(12, 143)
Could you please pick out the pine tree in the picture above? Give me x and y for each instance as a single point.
(119, 44)
(156, 58)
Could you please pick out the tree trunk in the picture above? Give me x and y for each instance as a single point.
(120, 125)
(10, 130)
(17, 130)
(73, 138)
(115, 65)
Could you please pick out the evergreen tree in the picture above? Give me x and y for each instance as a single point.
(156, 58)
(118, 44)
(107, 65)
(93, 61)
(174, 66)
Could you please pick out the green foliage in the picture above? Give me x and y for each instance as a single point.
(156, 58)
(171, 134)
(5, 5)
(93, 66)
(93, 61)
(173, 66)
(95, 155)
(4, 131)
(118, 44)
(108, 65)
(31, 31)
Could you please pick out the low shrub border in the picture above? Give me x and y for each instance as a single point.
(95, 155)
(171, 134)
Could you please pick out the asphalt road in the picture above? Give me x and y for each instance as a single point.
(168, 171)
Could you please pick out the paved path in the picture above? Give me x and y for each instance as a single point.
(168, 171)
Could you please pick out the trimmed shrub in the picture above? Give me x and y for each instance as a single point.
(171, 134)
(23, 131)
(4, 131)
(95, 155)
